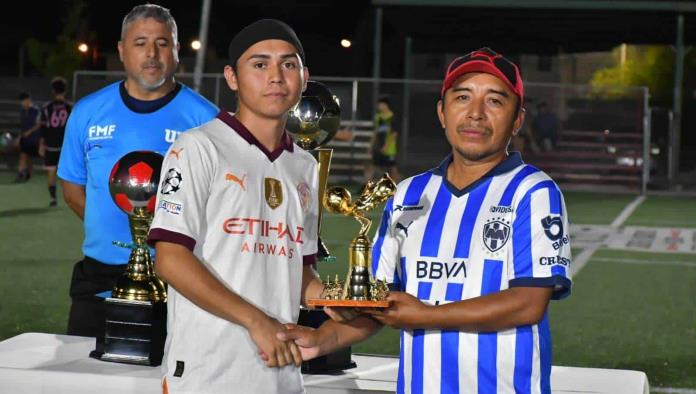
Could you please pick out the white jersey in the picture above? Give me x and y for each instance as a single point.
(250, 216)
(444, 245)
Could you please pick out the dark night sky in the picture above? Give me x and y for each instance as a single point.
(320, 25)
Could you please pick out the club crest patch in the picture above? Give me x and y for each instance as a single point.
(273, 191)
(305, 195)
(495, 234)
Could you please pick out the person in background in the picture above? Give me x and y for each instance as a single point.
(29, 136)
(54, 116)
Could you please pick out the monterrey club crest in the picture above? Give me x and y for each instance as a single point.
(496, 234)
(273, 191)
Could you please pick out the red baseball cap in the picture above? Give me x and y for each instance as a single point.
(485, 60)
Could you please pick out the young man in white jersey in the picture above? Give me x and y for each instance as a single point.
(474, 250)
(235, 229)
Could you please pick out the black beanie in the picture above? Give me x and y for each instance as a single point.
(264, 29)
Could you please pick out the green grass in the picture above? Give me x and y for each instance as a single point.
(38, 249)
(665, 212)
(595, 208)
(630, 316)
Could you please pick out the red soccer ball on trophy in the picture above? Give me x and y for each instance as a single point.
(134, 180)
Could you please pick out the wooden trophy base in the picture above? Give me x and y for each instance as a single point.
(320, 302)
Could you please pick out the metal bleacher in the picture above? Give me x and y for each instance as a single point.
(600, 143)
(350, 157)
(601, 157)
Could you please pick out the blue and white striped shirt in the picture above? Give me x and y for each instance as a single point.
(444, 245)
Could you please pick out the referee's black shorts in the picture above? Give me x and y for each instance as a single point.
(89, 278)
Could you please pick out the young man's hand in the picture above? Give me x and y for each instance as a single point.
(273, 351)
(405, 311)
(306, 338)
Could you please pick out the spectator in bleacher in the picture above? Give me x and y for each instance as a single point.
(29, 125)
(54, 116)
(546, 126)
(384, 142)
(524, 140)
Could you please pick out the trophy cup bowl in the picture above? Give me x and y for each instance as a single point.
(315, 119)
(135, 326)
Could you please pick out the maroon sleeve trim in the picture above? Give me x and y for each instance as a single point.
(309, 259)
(160, 234)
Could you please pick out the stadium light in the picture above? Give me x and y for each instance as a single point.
(83, 47)
(346, 43)
(195, 45)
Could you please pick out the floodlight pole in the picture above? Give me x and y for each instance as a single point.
(203, 38)
(376, 57)
(403, 133)
(675, 138)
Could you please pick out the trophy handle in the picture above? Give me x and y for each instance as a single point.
(323, 157)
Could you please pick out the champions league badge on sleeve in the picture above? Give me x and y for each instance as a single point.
(496, 233)
(172, 181)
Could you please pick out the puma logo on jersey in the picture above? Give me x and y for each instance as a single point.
(400, 226)
(175, 153)
(231, 177)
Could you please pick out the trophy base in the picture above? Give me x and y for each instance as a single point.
(135, 332)
(330, 363)
(319, 302)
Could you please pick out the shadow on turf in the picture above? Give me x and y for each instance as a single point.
(25, 212)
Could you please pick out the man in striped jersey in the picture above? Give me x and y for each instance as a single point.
(474, 250)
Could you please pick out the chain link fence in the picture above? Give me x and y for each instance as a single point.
(602, 136)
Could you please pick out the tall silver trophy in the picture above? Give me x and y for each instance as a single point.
(312, 123)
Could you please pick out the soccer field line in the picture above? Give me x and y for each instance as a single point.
(643, 262)
(627, 211)
(586, 254)
(671, 390)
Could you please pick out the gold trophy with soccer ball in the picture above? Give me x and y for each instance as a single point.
(360, 289)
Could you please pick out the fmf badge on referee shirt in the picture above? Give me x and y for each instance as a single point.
(273, 191)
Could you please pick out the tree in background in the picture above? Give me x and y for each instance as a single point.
(649, 65)
(59, 57)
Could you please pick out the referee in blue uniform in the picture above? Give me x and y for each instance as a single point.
(146, 111)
